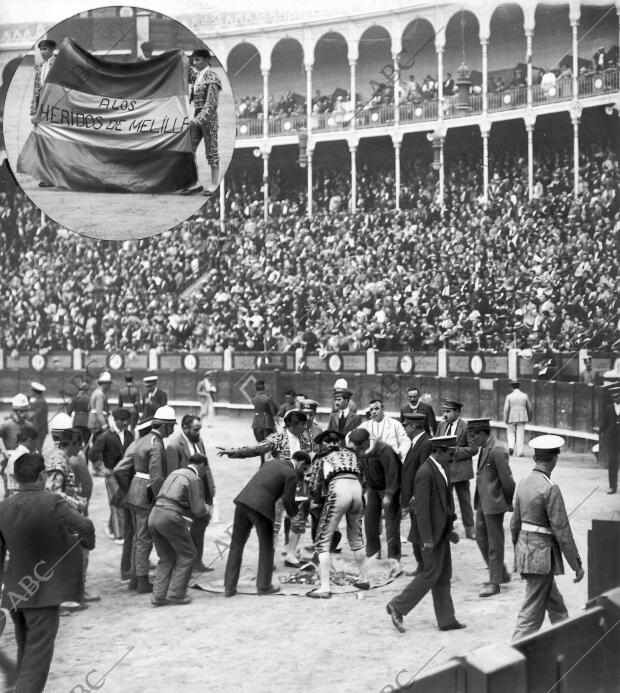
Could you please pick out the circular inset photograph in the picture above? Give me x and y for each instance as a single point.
(120, 123)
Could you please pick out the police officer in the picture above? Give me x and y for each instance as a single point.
(541, 533)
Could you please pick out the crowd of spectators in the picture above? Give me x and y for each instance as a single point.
(542, 275)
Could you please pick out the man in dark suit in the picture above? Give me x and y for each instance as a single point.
(343, 420)
(610, 434)
(382, 471)
(181, 446)
(43, 536)
(495, 488)
(461, 471)
(431, 530)
(419, 452)
(109, 448)
(414, 406)
(265, 409)
(255, 507)
(129, 399)
(154, 398)
(79, 408)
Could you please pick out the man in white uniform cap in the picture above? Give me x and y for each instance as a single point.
(541, 533)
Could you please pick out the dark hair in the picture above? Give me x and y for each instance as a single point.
(198, 459)
(290, 393)
(301, 456)
(259, 384)
(295, 418)
(28, 467)
(375, 401)
(188, 419)
(27, 432)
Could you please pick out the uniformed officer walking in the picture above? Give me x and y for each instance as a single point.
(541, 533)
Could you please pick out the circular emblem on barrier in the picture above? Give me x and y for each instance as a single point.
(116, 361)
(190, 362)
(476, 364)
(405, 364)
(37, 362)
(334, 363)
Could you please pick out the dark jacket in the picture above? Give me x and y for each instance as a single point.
(382, 468)
(44, 536)
(609, 435)
(177, 456)
(495, 486)
(265, 409)
(433, 506)
(150, 404)
(350, 423)
(108, 447)
(417, 455)
(273, 480)
(462, 468)
(430, 425)
(80, 408)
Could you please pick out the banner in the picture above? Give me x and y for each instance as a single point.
(106, 126)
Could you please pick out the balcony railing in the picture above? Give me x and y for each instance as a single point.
(510, 99)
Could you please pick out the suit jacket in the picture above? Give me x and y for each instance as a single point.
(462, 468)
(108, 447)
(151, 403)
(433, 507)
(129, 398)
(149, 457)
(609, 436)
(517, 407)
(265, 409)
(431, 421)
(44, 536)
(495, 486)
(273, 480)
(382, 468)
(178, 453)
(351, 422)
(539, 501)
(38, 85)
(80, 408)
(40, 415)
(417, 455)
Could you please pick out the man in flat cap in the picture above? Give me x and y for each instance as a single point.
(431, 529)
(517, 412)
(495, 488)
(337, 483)
(419, 452)
(382, 472)
(129, 399)
(153, 398)
(609, 433)
(265, 408)
(415, 406)
(204, 125)
(461, 471)
(343, 420)
(40, 412)
(149, 463)
(541, 533)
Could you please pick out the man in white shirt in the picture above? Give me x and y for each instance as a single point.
(385, 429)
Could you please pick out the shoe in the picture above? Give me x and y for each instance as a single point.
(89, 597)
(315, 594)
(490, 591)
(290, 564)
(144, 586)
(230, 593)
(202, 568)
(133, 583)
(159, 601)
(274, 589)
(455, 625)
(125, 577)
(412, 573)
(396, 616)
(109, 535)
(510, 451)
(191, 191)
(505, 577)
(361, 584)
(179, 601)
(42, 184)
(470, 533)
(611, 490)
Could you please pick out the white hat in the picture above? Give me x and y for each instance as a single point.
(61, 422)
(37, 387)
(20, 402)
(143, 425)
(104, 377)
(341, 384)
(547, 442)
(150, 378)
(165, 414)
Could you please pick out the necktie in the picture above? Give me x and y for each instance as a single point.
(449, 429)
(341, 423)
